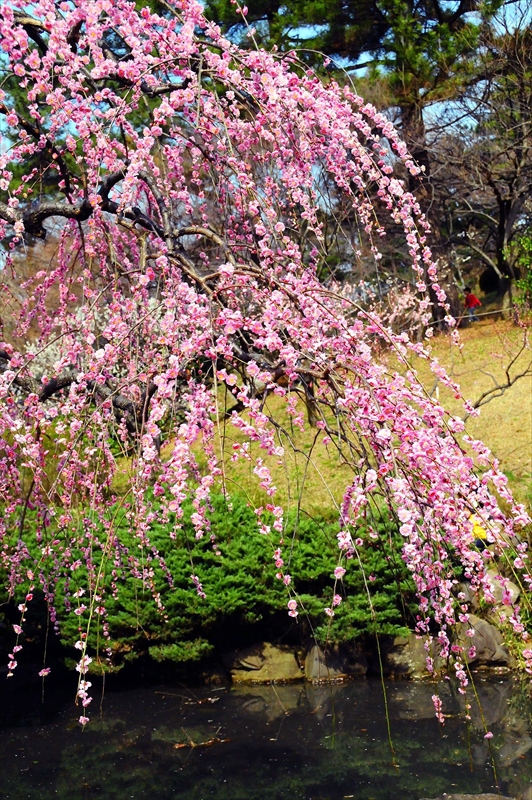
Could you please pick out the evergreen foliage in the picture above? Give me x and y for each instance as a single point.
(243, 601)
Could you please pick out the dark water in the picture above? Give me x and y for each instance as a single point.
(313, 743)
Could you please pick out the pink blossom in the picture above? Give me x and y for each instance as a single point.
(184, 295)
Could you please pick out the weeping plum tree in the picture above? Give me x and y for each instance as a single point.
(183, 175)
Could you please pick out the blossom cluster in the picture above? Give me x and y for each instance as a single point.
(184, 171)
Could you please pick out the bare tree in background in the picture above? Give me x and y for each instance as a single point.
(484, 176)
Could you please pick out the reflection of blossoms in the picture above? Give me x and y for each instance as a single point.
(438, 707)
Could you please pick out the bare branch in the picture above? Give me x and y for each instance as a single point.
(498, 389)
(134, 414)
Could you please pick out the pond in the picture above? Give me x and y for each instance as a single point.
(261, 742)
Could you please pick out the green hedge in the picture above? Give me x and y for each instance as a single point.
(244, 600)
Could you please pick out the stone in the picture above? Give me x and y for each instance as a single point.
(497, 590)
(263, 663)
(488, 796)
(516, 741)
(470, 597)
(487, 641)
(407, 658)
(500, 611)
(215, 676)
(334, 665)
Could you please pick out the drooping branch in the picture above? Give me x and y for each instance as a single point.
(39, 135)
(218, 290)
(134, 414)
(33, 218)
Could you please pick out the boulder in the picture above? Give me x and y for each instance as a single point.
(469, 596)
(263, 663)
(513, 748)
(498, 591)
(407, 658)
(487, 641)
(501, 611)
(488, 796)
(334, 665)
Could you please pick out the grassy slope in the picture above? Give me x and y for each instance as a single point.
(504, 424)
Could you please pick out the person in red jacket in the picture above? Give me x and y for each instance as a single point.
(471, 302)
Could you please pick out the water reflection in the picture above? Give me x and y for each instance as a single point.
(299, 741)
